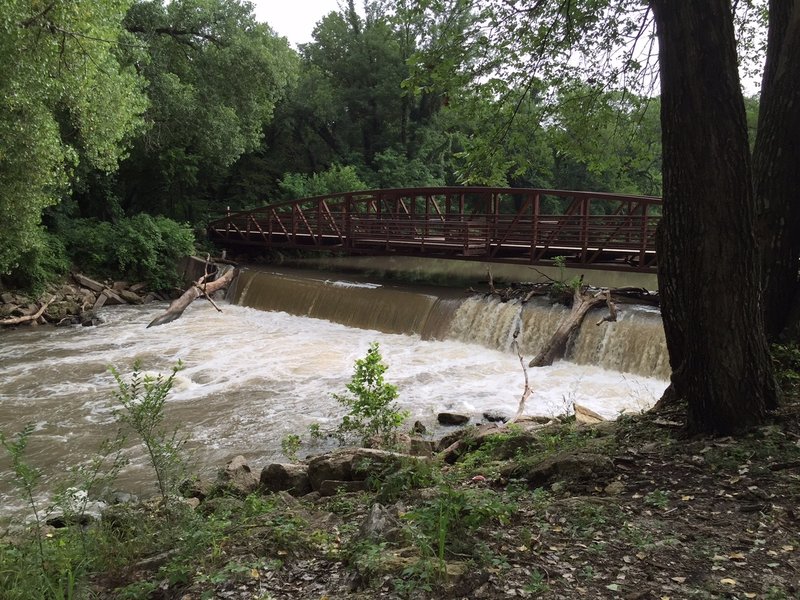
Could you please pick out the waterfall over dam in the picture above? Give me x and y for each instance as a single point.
(633, 344)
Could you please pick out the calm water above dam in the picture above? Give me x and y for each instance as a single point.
(255, 372)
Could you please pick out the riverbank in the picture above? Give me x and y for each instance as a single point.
(626, 509)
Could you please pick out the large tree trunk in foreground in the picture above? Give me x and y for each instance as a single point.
(708, 266)
(198, 289)
(775, 167)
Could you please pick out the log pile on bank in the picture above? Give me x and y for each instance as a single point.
(73, 302)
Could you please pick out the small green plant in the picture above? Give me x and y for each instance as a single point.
(563, 289)
(537, 584)
(26, 478)
(657, 499)
(290, 445)
(370, 402)
(143, 400)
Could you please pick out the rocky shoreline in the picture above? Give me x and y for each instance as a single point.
(74, 302)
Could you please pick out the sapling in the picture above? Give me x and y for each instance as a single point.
(370, 402)
(143, 399)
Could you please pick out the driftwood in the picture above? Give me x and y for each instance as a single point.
(27, 318)
(201, 288)
(527, 391)
(582, 303)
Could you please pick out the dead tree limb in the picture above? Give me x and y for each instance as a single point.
(527, 391)
(199, 289)
(556, 347)
(611, 317)
(27, 318)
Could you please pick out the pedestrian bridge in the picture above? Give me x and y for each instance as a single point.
(506, 225)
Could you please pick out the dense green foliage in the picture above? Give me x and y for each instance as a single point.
(181, 109)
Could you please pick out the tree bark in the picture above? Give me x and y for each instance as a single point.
(708, 265)
(198, 289)
(775, 170)
(557, 345)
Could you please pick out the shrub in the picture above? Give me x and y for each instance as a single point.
(370, 402)
(44, 261)
(141, 247)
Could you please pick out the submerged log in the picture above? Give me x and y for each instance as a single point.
(582, 303)
(201, 288)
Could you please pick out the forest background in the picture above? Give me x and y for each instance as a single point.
(126, 125)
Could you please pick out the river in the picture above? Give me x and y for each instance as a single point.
(252, 376)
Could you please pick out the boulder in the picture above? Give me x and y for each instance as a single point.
(351, 464)
(238, 477)
(445, 418)
(195, 487)
(137, 287)
(419, 428)
(495, 417)
(571, 466)
(292, 478)
(419, 447)
(587, 415)
(118, 286)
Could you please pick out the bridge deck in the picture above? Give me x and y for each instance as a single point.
(602, 231)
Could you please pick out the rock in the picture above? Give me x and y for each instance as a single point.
(335, 466)
(420, 447)
(238, 477)
(84, 281)
(570, 466)
(419, 428)
(137, 287)
(122, 498)
(331, 487)
(587, 415)
(90, 319)
(452, 419)
(7, 298)
(195, 487)
(351, 464)
(292, 478)
(118, 286)
(615, 488)
(131, 297)
(495, 417)
(380, 524)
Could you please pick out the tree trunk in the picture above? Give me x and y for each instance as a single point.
(775, 170)
(557, 345)
(708, 265)
(198, 289)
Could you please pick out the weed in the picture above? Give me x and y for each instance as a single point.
(143, 399)
(290, 445)
(657, 499)
(537, 583)
(370, 403)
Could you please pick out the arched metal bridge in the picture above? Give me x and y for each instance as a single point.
(510, 225)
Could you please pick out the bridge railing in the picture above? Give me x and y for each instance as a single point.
(501, 224)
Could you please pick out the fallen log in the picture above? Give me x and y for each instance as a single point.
(27, 318)
(582, 303)
(201, 288)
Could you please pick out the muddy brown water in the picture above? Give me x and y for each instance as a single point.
(286, 340)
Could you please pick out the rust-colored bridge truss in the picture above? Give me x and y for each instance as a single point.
(512, 225)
